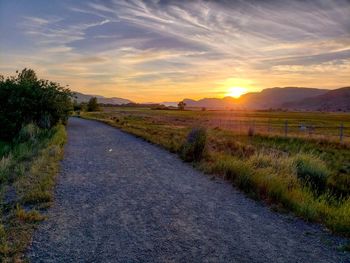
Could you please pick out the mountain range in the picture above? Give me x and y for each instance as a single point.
(334, 100)
(290, 98)
(80, 97)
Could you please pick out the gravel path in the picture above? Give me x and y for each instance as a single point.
(120, 199)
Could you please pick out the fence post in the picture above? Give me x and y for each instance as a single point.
(286, 128)
(341, 132)
(269, 126)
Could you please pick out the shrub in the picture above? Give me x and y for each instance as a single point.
(311, 171)
(193, 148)
(77, 106)
(26, 99)
(28, 133)
(93, 105)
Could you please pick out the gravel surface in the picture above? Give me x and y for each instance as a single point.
(121, 199)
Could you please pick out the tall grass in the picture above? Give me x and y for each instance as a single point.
(275, 180)
(29, 168)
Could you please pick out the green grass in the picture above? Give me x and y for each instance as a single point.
(307, 176)
(28, 169)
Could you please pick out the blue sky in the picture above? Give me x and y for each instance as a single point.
(168, 50)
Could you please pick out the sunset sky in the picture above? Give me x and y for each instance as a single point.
(169, 50)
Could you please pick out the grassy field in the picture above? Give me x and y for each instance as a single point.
(318, 125)
(306, 174)
(27, 170)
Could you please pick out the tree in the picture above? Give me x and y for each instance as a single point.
(77, 106)
(181, 105)
(26, 99)
(93, 105)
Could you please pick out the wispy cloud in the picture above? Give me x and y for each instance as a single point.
(148, 50)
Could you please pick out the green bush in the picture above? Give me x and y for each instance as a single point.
(28, 133)
(311, 171)
(194, 146)
(26, 99)
(93, 105)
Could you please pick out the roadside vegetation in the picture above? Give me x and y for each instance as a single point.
(307, 176)
(32, 115)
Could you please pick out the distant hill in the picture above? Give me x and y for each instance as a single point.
(266, 99)
(333, 100)
(277, 97)
(80, 97)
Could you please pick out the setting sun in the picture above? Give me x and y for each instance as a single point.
(236, 92)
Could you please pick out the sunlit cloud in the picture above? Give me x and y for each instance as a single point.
(167, 50)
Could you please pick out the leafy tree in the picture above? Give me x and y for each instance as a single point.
(83, 106)
(26, 99)
(181, 105)
(93, 105)
(77, 106)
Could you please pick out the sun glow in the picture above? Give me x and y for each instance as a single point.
(236, 92)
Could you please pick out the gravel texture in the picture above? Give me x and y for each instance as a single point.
(121, 199)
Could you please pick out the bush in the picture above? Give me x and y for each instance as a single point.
(193, 148)
(28, 133)
(26, 99)
(93, 105)
(311, 171)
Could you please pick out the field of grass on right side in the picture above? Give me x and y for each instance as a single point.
(306, 175)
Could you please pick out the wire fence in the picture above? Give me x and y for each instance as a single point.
(292, 127)
(285, 128)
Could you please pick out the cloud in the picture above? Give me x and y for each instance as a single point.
(338, 66)
(37, 20)
(134, 47)
(92, 59)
